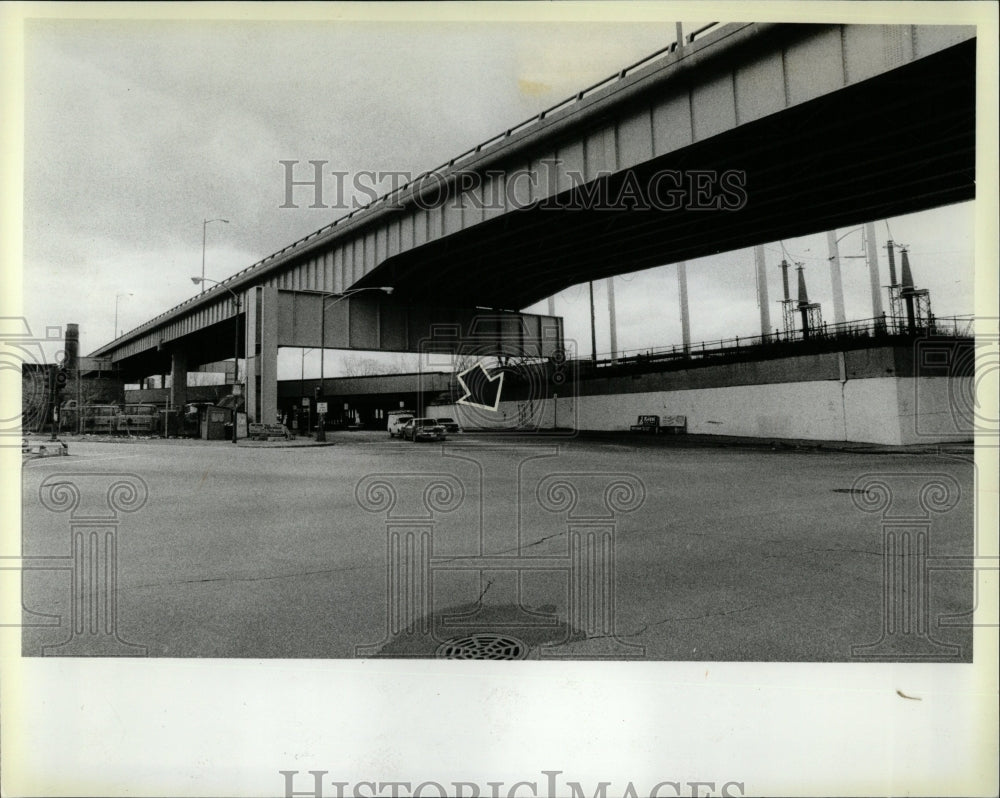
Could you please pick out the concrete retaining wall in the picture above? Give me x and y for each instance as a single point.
(885, 410)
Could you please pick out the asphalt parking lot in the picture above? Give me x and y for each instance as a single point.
(615, 548)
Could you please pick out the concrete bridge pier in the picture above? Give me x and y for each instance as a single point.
(178, 378)
(261, 304)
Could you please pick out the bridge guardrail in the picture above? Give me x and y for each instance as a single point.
(876, 328)
(673, 47)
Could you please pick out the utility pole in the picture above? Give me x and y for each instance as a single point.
(682, 291)
(765, 311)
(593, 332)
(871, 247)
(836, 280)
(611, 316)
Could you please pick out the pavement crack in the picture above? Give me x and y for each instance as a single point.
(485, 590)
(856, 551)
(245, 578)
(801, 553)
(649, 626)
(541, 540)
(502, 552)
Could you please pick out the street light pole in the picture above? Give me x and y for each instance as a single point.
(117, 297)
(870, 257)
(204, 225)
(236, 341)
(321, 417)
(302, 386)
(593, 332)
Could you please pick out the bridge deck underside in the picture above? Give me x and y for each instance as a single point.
(211, 344)
(898, 143)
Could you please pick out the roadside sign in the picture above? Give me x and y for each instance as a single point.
(321, 407)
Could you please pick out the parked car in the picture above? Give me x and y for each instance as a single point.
(422, 429)
(450, 425)
(397, 418)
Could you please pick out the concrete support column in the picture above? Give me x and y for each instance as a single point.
(611, 316)
(682, 291)
(765, 311)
(178, 378)
(836, 281)
(262, 354)
(871, 245)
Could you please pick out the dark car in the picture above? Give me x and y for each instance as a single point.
(450, 425)
(422, 429)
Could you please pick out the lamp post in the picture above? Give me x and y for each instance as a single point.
(302, 384)
(117, 297)
(236, 341)
(204, 225)
(871, 257)
(593, 332)
(321, 417)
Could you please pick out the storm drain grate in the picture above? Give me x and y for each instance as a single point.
(483, 646)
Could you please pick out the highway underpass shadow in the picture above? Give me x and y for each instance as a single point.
(482, 631)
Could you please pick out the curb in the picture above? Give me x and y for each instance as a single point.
(285, 445)
(779, 444)
(39, 450)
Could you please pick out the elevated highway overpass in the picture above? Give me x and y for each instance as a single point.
(745, 135)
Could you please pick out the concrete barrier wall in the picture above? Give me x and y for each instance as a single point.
(887, 410)
(935, 409)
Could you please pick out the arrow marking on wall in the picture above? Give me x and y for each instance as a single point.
(479, 386)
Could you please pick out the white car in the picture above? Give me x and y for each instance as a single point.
(397, 419)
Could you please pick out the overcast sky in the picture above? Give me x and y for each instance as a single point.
(135, 132)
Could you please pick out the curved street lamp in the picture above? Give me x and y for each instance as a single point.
(386, 289)
(205, 224)
(870, 256)
(849, 232)
(236, 338)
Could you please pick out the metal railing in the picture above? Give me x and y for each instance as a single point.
(858, 331)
